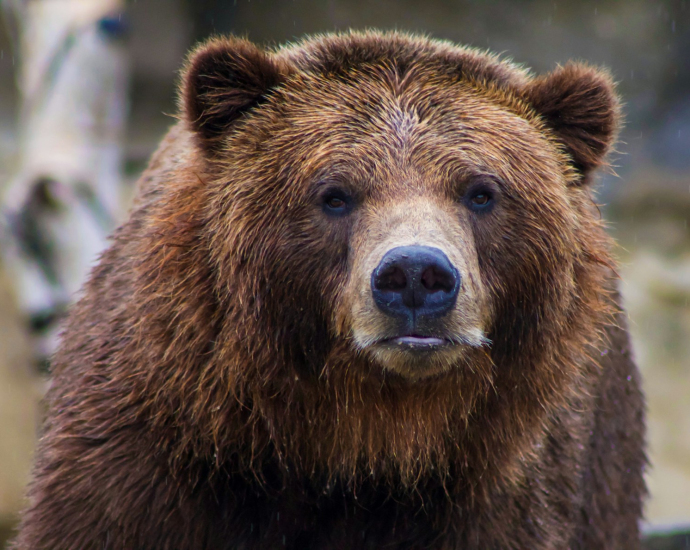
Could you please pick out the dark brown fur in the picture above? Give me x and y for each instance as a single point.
(212, 391)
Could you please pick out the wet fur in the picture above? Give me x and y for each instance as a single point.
(209, 391)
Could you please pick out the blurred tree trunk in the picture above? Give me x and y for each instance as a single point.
(63, 200)
(65, 197)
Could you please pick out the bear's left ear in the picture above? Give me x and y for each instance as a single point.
(580, 105)
(224, 78)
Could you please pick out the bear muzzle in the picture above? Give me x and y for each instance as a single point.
(415, 285)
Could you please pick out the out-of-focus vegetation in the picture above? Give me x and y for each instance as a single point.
(645, 43)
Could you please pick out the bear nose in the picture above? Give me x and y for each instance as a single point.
(415, 281)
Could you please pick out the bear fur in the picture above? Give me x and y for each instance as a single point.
(227, 381)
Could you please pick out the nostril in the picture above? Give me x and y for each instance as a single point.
(391, 278)
(435, 279)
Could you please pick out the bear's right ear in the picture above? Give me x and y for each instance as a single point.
(224, 78)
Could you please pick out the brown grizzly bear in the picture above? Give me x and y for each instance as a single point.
(364, 300)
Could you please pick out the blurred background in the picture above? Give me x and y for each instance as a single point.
(88, 88)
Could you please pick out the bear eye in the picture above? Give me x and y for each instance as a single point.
(480, 197)
(336, 202)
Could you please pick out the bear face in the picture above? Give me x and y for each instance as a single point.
(389, 157)
(326, 167)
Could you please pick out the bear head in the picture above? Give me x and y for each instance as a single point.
(402, 243)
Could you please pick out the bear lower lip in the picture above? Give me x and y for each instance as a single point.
(418, 342)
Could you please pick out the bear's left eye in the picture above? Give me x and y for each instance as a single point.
(336, 202)
(480, 197)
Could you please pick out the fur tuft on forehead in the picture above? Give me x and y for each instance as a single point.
(338, 54)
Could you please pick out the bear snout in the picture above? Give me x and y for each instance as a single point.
(415, 283)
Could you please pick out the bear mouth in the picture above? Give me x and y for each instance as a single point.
(414, 342)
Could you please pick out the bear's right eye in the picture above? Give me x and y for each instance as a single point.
(336, 202)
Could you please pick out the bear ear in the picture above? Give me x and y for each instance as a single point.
(580, 105)
(224, 78)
